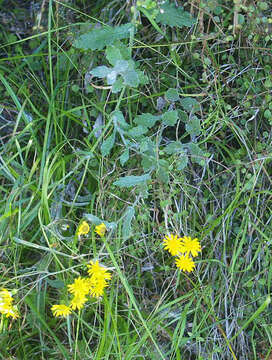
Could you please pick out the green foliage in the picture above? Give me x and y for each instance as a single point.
(84, 136)
(171, 15)
(97, 39)
(172, 95)
(127, 222)
(130, 181)
(124, 71)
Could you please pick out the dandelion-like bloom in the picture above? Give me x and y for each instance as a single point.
(97, 287)
(5, 297)
(98, 278)
(97, 271)
(80, 287)
(172, 243)
(100, 229)
(61, 310)
(78, 302)
(190, 246)
(6, 307)
(12, 312)
(185, 263)
(83, 229)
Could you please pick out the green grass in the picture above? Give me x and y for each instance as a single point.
(57, 168)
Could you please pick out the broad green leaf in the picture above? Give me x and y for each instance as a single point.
(189, 104)
(171, 15)
(124, 157)
(119, 120)
(117, 86)
(172, 95)
(126, 228)
(111, 77)
(148, 163)
(137, 131)
(122, 66)
(147, 120)
(101, 71)
(97, 39)
(162, 171)
(197, 154)
(148, 146)
(129, 181)
(193, 126)
(174, 147)
(131, 78)
(182, 162)
(108, 144)
(170, 118)
(113, 54)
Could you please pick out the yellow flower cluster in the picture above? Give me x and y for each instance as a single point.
(185, 248)
(92, 285)
(6, 306)
(84, 229)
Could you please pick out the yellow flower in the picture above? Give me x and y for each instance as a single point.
(78, 302)
(12, 312)
(6, 307)
(172, 243)
(98, 278)
(83, 229)
(61, 310)
(190, 246)
(97, 271)
(80, 287)
(98, 288)
(185, 263)
(100, 229)
(5, 297)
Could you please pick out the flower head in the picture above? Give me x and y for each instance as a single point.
(5, 296)
(185, 263)
(78, 302)
(100, 229)
(96, 271)
(190, 246)
(97, 287)
(98, 278)
(172, 243)
(61, 310)
(80, 287)
(6, 307)
(83, 228)
(12, 312)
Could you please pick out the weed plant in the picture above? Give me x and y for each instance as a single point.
(128, 128)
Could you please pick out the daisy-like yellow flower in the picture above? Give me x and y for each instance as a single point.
(80, 287)
(5, 297)
(78, 302)
(172, 243)
(98, 288)
(6, 307)
(98, 278)
(185, 263)
(83, 229)
(12, 312)
(190, 246)
(61, 310)
(100, 229)
(97, 271)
